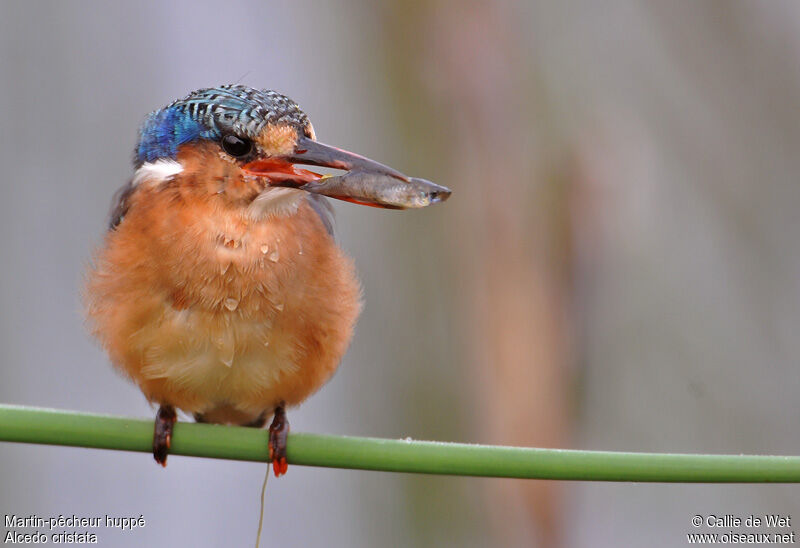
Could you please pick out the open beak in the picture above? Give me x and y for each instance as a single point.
(365, 182)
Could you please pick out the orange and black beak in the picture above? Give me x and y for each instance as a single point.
(365, 182)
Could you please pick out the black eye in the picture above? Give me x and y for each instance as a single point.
(236, 146)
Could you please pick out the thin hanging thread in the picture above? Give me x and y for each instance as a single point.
(261, 513)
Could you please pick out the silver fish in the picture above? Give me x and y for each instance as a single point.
(378, 189)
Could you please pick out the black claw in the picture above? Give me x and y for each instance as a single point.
(162, 434)
(258, 422)
(278, 433)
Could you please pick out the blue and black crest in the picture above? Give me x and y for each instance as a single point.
(211, 113)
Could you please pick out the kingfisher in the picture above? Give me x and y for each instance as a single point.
(219, 288)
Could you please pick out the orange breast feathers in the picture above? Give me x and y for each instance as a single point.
(215, 312)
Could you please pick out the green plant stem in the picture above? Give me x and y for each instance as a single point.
(55, 427)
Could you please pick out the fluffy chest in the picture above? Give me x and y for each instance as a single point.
(202, 305)
(220, 260)
(232, 293)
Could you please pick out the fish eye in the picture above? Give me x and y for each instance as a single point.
(236, 146)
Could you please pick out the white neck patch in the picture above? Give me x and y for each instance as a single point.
(154, 173)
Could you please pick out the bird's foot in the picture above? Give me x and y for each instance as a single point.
(162, 434)
(278, 432)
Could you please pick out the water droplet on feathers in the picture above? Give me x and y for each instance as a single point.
(227, 349)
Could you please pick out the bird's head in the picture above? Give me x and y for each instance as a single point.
(245, 144)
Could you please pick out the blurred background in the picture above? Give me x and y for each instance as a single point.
(618, 267)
